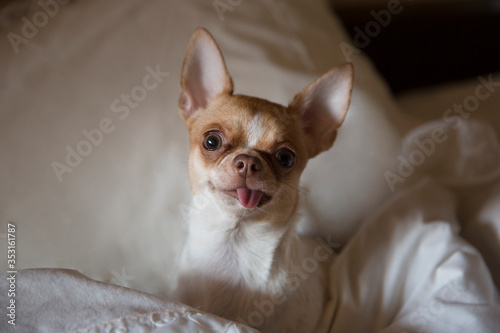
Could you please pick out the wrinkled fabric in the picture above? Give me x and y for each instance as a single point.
(53, 300)
(458, 153)
(408, 270)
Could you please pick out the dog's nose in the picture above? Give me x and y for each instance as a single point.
(247, 165)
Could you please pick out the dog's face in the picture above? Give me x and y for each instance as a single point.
(247, 154)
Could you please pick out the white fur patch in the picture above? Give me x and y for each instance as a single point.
(255, 130)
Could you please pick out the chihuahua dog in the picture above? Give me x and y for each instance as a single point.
(245, 162)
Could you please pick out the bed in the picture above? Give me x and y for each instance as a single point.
(94, 183)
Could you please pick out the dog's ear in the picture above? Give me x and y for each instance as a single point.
(204, 74)
(323, 106)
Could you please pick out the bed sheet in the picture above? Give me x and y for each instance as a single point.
(475, 101)
(57, 300)
(409, 270)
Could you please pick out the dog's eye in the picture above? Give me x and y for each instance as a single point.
(213, 141)
(285, 157)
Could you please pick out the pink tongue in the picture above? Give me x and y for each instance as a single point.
(249, 198)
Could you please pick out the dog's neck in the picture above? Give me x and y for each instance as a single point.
(248, 250)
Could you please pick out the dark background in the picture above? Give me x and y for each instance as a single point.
(429, 43)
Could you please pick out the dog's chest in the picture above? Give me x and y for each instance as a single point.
(244, 256)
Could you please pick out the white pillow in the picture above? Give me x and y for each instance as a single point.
(94, 154)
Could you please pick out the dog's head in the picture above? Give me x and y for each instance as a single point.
(247, 154)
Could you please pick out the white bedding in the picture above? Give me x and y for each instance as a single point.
(117, 217)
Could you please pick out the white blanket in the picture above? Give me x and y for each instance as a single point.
(93, 172)
(408, 270)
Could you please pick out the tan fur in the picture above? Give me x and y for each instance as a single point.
(282, 129)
